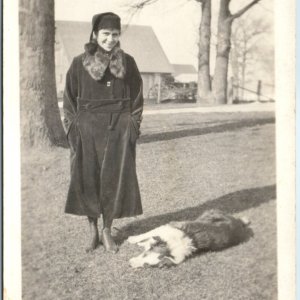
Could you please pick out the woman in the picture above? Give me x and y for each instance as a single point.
(103, 105)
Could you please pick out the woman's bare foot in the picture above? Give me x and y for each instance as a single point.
(108, 242)
(94, 235)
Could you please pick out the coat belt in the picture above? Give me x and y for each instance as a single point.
(104, 105)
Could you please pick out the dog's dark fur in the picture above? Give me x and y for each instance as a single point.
(214, 230)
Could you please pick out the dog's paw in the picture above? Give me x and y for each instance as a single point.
(132, 240)
(135, 263)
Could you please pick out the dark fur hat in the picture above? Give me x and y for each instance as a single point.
(104, 21)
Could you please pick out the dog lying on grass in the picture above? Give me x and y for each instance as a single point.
(172, 243)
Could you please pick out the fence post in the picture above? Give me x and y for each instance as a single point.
(158, 89)
(258, 90)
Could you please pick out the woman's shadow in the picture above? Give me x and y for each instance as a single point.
(231, 203)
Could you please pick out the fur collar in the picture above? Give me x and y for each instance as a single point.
(96, 60)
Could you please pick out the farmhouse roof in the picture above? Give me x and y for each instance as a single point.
(183, 69)
(138, 41)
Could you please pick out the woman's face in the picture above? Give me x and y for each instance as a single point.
(108, 38)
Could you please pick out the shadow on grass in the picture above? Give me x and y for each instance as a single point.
(231, 203)
(165, 136)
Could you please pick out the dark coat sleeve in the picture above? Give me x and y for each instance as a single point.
(70, 105)
(136, 94)
(70, 96)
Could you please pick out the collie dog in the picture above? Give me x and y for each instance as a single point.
(172, 243)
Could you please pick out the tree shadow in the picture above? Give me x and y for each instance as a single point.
(165, 136)
(231, 203)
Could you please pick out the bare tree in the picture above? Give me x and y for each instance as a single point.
(40, 119)
(245, 44)
(225, 21)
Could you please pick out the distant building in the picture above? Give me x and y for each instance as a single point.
(138, 41)
(185, 73)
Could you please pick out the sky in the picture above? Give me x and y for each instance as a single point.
(175, 22)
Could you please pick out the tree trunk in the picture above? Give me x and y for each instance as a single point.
(244, 64)
(223, 48)
(40, 119)
(204, 81)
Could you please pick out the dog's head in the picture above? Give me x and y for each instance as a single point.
(156, 254)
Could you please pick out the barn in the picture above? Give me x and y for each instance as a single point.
(138, 41)
(185, 74)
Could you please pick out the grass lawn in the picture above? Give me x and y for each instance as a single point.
(186, 163)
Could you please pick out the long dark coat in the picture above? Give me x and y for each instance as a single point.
(102, 119)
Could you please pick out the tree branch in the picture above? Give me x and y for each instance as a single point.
(142, 4)
(136, 7)
(243, 10)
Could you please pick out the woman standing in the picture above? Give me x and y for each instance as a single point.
(103, 105)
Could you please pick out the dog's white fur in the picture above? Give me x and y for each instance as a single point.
(179, 245)
(175, 241)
